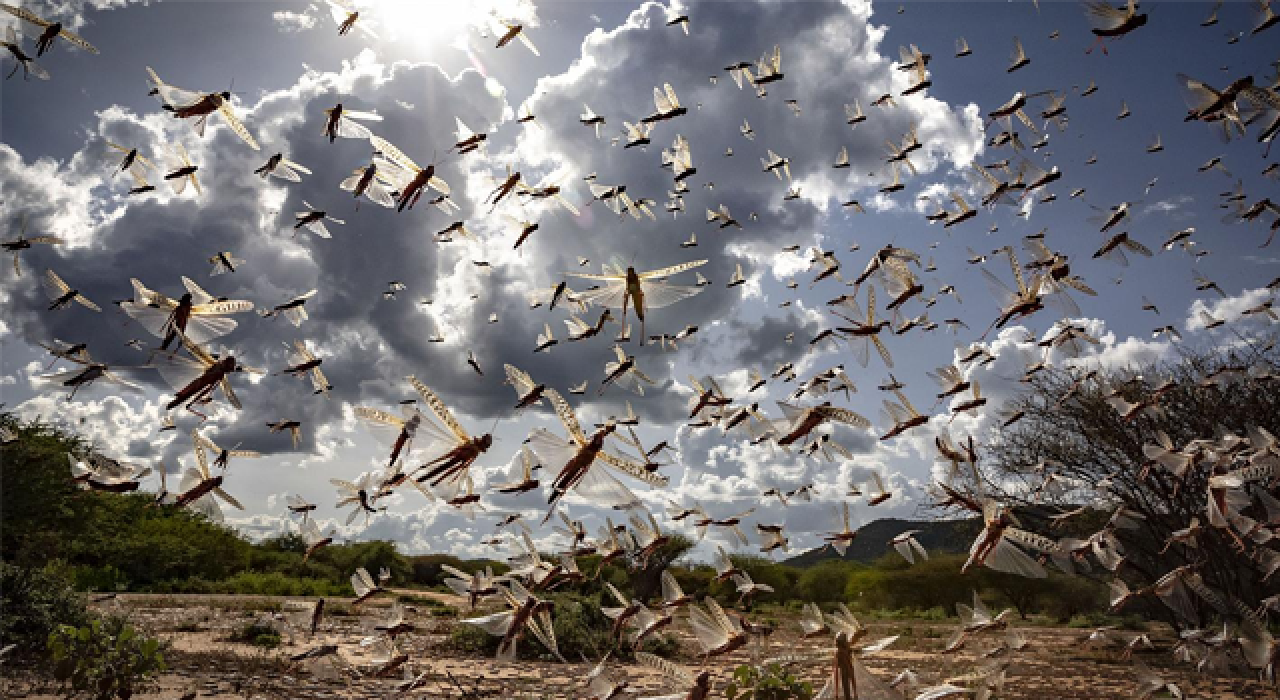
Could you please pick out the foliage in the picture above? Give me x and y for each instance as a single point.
(107, 658)
(1069, 425)
(276, 583)
(646, 581)
(34, 602)
(258, 633)
(425, 570)
(154, 548)
(581, 628)
(824, 583)
(769, 682)
(166, 549)
(582, 631)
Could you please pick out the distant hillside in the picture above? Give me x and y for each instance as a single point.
(951, 536)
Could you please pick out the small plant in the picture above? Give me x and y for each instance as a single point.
(666, 646)
(34, 603)
(770, 682)
(105, 659)
(257, 633)
(469, 639)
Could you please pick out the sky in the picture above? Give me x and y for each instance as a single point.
(432, 62)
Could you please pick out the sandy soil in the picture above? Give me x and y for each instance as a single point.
(205, 663)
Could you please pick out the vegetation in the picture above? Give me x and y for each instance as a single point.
(105, 659)
(1071, 432)
(581, 631)
(125, 542)
(768, 682)
(257, 633)
(34, 602)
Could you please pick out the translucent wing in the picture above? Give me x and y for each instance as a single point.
(352, 129)
(861, 346)
(674, 269)
(519, 378)
(567, 417)
(208, 507)
(528, 43)
(202, 329)
(632, 469)
(177, 371)
(670, 671)
(601, 488)
(230, 393)
(22, 13)
(442, 412)
(391, 153)
(54, 284)
(660, 101)
(608, 296)
(660, 294)
(709, 635)
(1004, 295)
(236, 125)
(844, 415)
(227, 497)
(550, 449)
(173, 96)
(1008, 558)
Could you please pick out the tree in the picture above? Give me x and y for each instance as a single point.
(824, 582)
(646, 582)
(1073, 447)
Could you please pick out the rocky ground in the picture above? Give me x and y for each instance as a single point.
(204, 661)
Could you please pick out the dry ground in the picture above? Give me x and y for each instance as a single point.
(205, 663)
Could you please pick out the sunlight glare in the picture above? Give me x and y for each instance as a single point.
(442, 20)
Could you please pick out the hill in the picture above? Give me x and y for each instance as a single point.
(943, 536)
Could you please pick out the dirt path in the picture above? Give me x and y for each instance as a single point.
(204, 661)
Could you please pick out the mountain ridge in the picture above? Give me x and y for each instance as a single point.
(872, 542)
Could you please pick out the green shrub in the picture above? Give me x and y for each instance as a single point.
(581, 631)
(34, 603)
(99, 578)
(279, 584)
(104, 659)
(771, 682)
(258, 633)
(665, 645)
(469, 639)
(825, 582)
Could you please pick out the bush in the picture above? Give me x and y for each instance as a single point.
(34, 603)
(258, 633)
(581, 631)
(278, 584)
(771, 682)
(105, 659)
(825, 582)
(469, 639)
(666, 646)
(99, 578)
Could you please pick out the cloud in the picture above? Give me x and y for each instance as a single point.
(1228, 309)
(292, 22)
(832, 54)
